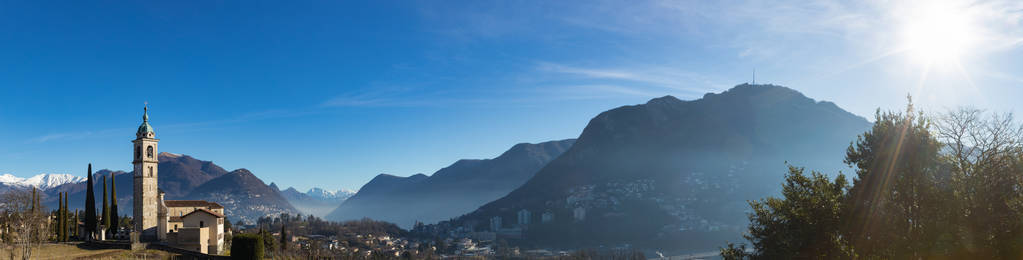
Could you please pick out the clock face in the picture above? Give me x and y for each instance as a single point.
(149, 152)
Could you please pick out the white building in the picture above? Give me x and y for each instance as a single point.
(579, 213)
(524, 217)
(547, 217)
(495, 224)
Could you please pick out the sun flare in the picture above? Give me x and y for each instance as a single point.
(937, 33)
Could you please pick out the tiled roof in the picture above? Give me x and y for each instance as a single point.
(192, 203)
(215, 214)
(175, 219)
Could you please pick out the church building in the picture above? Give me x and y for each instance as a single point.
(189, 224)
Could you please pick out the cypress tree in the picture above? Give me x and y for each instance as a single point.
(66, 213)
(33, 199)
(61, 222)
(115, 218)
(106, 206)
(284, 238)
(90, 206)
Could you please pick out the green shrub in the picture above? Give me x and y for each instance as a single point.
(247, 246)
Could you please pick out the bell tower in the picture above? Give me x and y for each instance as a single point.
(145, 188)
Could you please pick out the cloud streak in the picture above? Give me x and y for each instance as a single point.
(71, 136)
(646, 80)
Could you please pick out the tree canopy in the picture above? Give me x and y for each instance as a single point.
(941, 186)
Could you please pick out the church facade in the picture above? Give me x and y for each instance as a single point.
(189, 224)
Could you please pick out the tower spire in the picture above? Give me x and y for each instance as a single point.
(145, 114)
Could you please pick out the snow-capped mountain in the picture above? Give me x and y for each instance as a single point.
(339, 194)
(316, 201)
(41, 181)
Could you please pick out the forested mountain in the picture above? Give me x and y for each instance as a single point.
(672, 173)
(451, 191)
(243, 195)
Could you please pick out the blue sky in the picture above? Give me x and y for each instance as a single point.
(330, 93)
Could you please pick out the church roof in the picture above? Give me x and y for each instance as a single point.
(192, 203)
(204, 211)
(145, 129)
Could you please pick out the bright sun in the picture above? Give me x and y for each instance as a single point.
(936, 34)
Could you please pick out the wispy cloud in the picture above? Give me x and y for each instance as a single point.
(58, 136)
(71, 136)
(385, 96)
(597, 91)
(179, 126)
(645, 80)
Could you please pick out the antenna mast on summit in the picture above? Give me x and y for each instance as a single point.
(754, 76)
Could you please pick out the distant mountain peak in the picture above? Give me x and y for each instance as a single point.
(669, 99)
(243, 195)
(170, 155)
(747, 90)
(320, 193)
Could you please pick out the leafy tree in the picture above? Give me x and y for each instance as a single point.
(984, 154)
(804, 223)
(247, 246)
(734, 252)
(26, 226)
(90, 206)
(896, 202)
(269, 243)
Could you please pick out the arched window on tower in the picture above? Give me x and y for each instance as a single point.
(150, 171)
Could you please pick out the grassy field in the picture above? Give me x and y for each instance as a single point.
(79, 251)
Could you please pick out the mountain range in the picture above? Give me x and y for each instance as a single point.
(41, 181)
(672, 173)
(244, 196)
(452, 191)
(668, 173)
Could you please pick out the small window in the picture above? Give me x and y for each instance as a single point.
(201, 224)
(150, 171)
